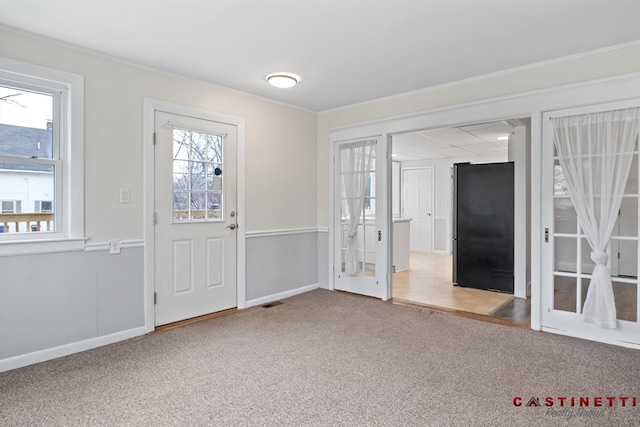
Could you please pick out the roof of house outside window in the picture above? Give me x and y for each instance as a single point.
(23, 142)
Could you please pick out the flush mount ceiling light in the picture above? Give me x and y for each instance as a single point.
(503, 138)
(283, 80)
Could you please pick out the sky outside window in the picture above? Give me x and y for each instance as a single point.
(24, 108)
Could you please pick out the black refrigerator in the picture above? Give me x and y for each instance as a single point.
(483, 226)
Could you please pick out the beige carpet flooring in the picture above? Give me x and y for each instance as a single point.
(326, 359)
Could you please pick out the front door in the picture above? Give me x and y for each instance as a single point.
(417, 204)
(195, 212)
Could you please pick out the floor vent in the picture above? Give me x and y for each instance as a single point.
(271, 304)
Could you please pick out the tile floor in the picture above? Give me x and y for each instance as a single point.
(428, 283)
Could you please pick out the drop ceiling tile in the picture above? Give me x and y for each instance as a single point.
(459, 139)
(501, 145)
(430, 154)
(451, 152)
(491, 135)
(481, 148)
(407, 138)
(439, 131)
(485, 126)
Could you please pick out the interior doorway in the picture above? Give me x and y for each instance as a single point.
(428, 280)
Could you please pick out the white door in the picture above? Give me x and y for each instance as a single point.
(370, 228)
(417, 204)
(566, 261)
(195, 204)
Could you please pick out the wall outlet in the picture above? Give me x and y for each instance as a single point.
(114, 246)
(125, 195)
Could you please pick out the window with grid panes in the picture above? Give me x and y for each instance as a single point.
(41, 157)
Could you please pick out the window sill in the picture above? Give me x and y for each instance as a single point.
(40, 246)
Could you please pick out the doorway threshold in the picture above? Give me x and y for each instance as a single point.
(503, 315)
(185, 322)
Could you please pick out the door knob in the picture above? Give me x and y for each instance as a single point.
(232, 226)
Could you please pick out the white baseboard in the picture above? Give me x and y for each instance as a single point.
(281, 295)
(67, 349)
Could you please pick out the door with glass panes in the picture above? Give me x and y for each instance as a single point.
(566, 258)
(195, 207)
(360, 221)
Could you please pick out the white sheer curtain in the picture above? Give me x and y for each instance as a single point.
(356, 159)
(595, 153)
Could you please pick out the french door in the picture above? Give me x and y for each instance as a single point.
(361, 230)
(566, 253)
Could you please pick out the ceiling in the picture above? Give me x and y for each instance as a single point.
(461, 142)
(346, 52)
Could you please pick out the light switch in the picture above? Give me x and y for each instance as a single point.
(125, 195)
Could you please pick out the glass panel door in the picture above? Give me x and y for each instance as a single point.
(359, 227)
(567, 264)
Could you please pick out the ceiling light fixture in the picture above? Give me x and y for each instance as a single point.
(283, 80)
(503, 138)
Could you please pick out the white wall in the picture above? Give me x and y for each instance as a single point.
(280, 146)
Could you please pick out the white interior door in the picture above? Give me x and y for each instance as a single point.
(372, 234)
(195, 212)
(566, 262)
(417, 202)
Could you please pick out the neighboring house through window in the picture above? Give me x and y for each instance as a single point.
(43, 206)
(11, 206)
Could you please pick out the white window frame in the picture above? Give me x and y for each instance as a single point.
(69, 186)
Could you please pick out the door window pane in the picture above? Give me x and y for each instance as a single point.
(625, 258)
(626, 298)
(587, 263)
(565, 216)
(197, 176)
(565, 254)
(559, 182)
(632, 182)
(627, 222)
(564, 293)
